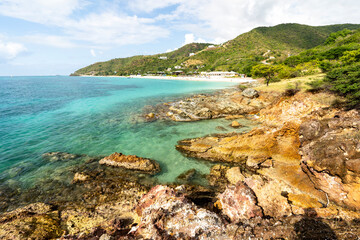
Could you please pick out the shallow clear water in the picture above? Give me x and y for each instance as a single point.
(93, 116)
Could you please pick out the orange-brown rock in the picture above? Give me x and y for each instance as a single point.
(131, 162)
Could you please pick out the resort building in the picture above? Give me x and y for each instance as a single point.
(218, 74)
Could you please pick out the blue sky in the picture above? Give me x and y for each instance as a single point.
(48, 37)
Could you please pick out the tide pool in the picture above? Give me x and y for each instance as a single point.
(93, 116)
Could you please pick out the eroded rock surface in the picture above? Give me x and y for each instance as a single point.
(330, 151)
(167, 214)
(223, 103)
(239, 202)
(131, 162)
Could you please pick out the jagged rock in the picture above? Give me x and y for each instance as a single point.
(239, 202)
(131, 162)
(60, 156)
(250, 93)
(234, 175)
(166, 214)
(209, 106)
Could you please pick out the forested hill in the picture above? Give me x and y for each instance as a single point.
(239, 54)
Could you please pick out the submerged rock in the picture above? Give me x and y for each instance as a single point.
(59, 156)
(187, 176)
(131, 162)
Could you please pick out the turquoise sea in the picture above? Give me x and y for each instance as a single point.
(93, 116)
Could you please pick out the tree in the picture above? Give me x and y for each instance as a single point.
(266, 71)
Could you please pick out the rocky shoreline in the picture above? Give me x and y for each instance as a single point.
(296, 176)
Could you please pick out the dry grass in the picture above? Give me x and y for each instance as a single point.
(285, 83)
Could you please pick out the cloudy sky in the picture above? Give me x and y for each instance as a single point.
(47, 37)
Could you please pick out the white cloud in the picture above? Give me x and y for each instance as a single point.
(102, 27)
(51, 40)
(92, 52)
(190, 38)
(40, 11)
(151, 5)
(111, 28)
(10, 50)
(104, 23)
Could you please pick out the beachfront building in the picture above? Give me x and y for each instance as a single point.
(218, 74)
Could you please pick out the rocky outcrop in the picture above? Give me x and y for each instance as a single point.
(131, 162)
(166, 214)
(330, 151)
(35, 221)
(223, 103)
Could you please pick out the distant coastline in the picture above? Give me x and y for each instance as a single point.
(199, 79)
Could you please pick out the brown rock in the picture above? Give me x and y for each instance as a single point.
(239, 202)
(80, 177)
(234, 175)
(269, 195)
(235, 124)
(131, 162)
(166, 214)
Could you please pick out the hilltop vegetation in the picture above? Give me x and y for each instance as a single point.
(240, 54)
(338, 58)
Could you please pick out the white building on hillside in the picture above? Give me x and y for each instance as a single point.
(163, 57)
(218, 74)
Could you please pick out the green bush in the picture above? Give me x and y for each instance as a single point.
(345, 81)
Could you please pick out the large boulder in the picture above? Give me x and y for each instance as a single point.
(167, 214)
(131, 162)
(250, 93)
(239, 202)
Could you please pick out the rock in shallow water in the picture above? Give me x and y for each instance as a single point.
(131, 162)
(59, 156)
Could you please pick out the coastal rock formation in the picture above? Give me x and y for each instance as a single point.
(166, 214)
(239, 202)
(131, 162)
(330, 151)
(209, 106)
(35, 221)
(59, 156)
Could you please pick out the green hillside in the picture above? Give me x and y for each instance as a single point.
(240, 54)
